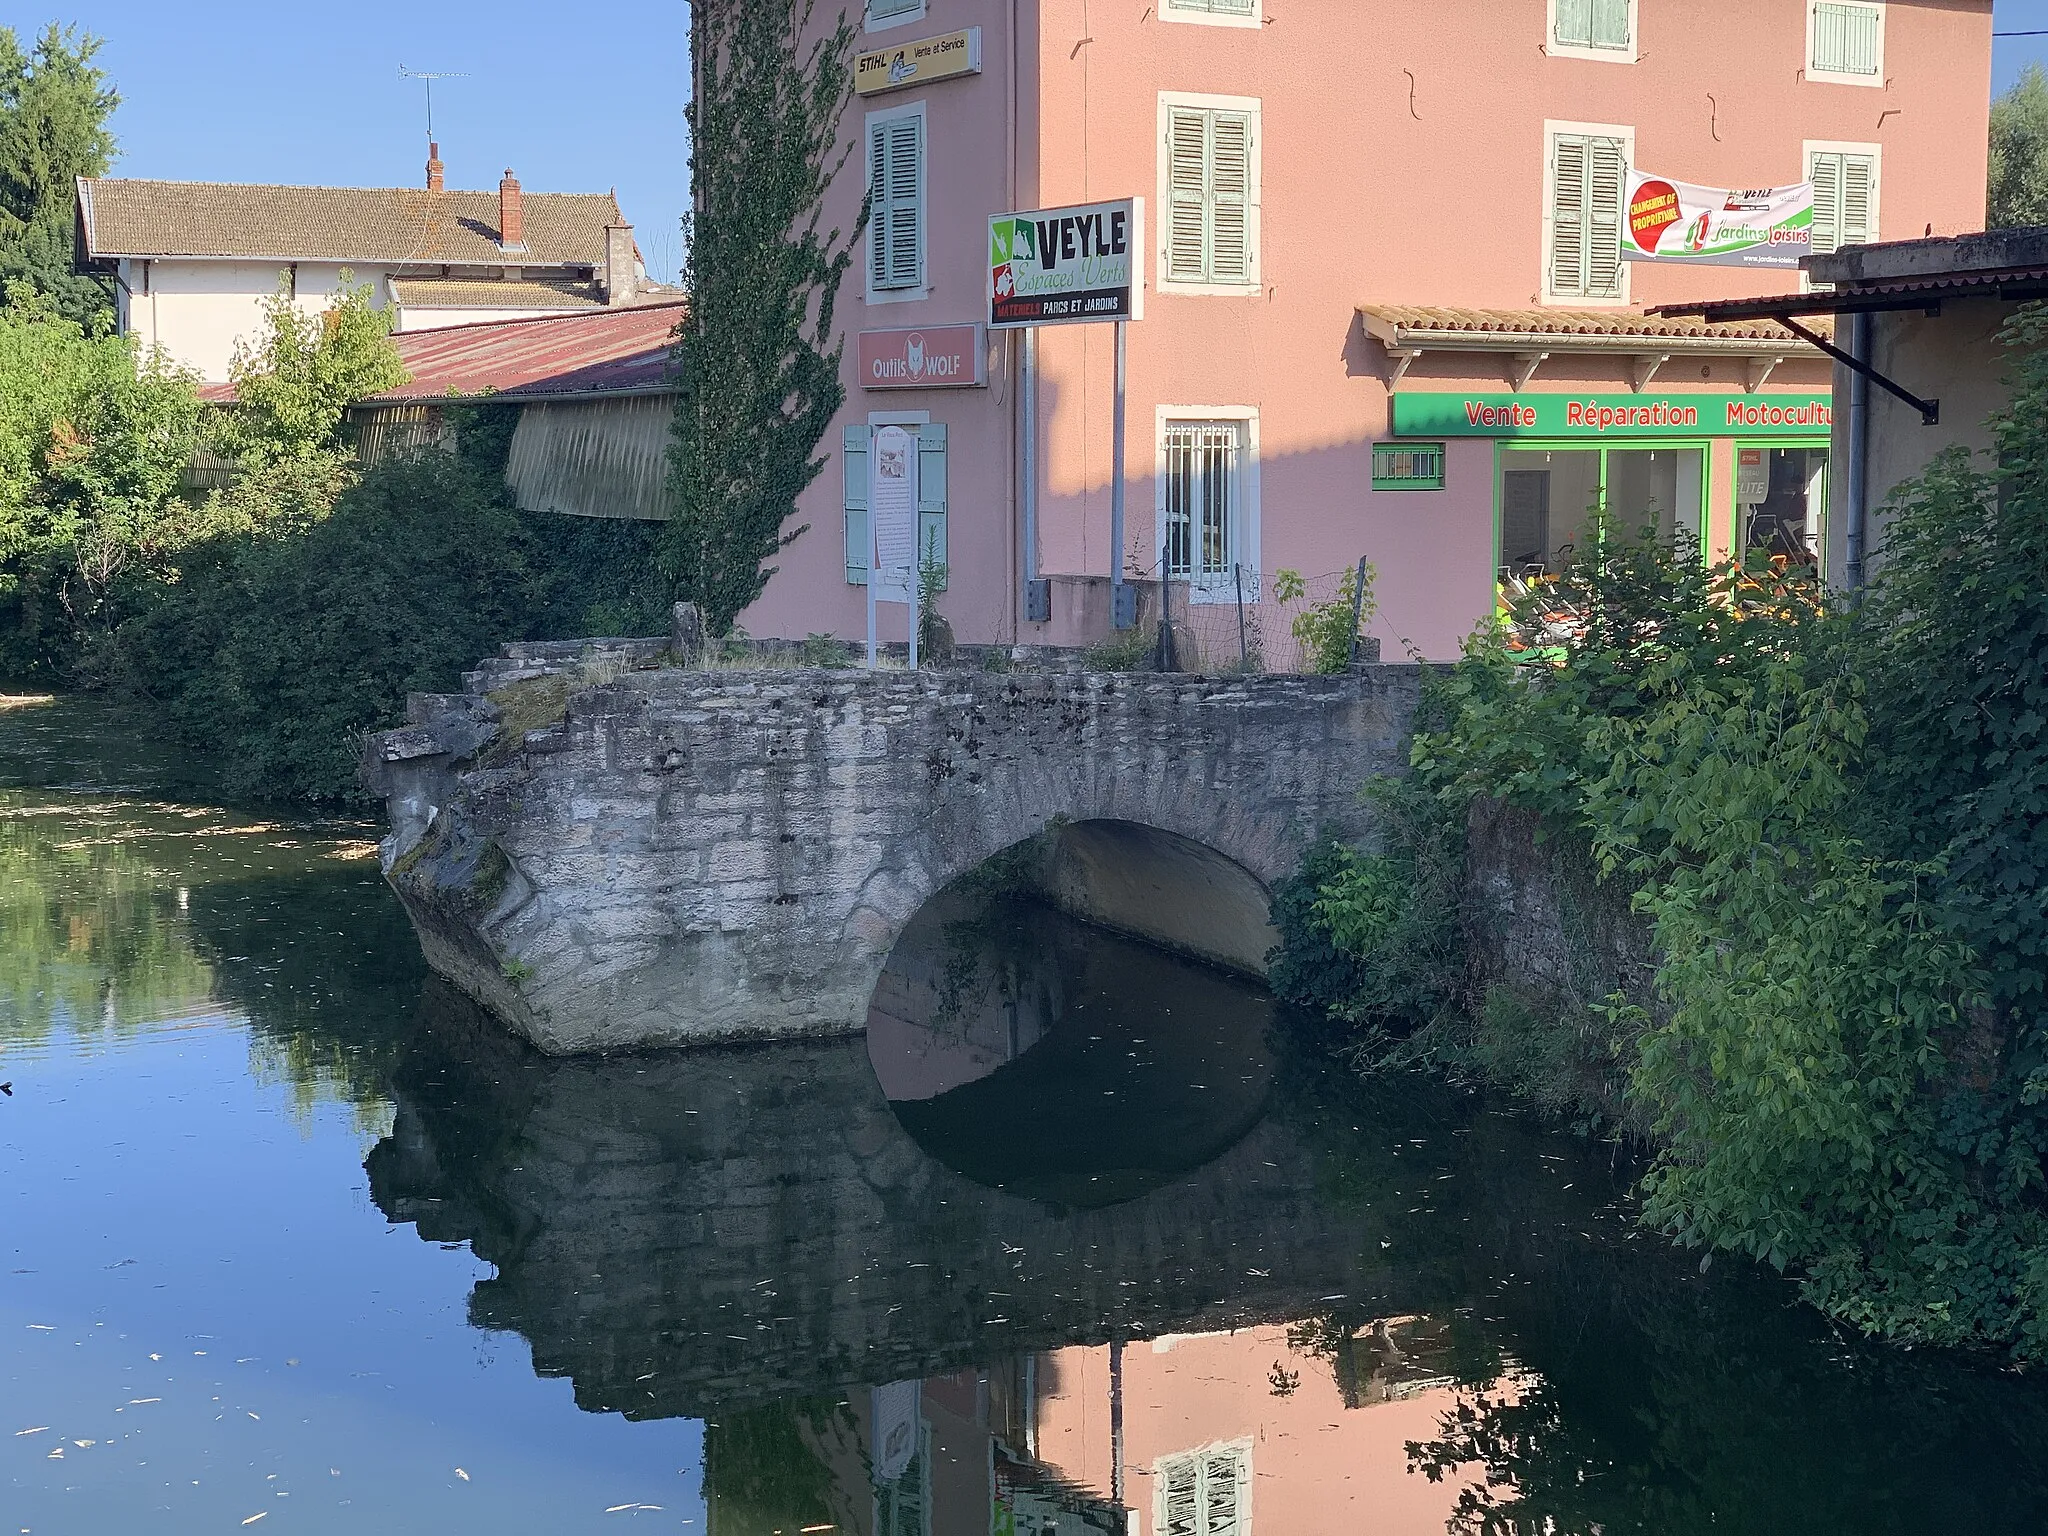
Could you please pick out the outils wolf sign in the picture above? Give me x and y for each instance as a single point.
(1060, 266)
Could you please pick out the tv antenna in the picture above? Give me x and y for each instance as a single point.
(428, 77)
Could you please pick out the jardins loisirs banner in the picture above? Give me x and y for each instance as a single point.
(1668, 220)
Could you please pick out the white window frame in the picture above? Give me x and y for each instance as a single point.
(923, 289)
(1252, 107)
(1835, 77)
(1250, 517)
(915, 13)
(1628, 55)
(1875, 153)
(1554, 129)
(1240, 1449)
(1169, 11)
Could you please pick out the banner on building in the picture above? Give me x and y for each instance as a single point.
(1665, 220)
(1706, 414)
(1066, 266)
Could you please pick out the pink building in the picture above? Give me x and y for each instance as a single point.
(1385, 313)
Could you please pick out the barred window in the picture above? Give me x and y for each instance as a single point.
(1408, 466)
(1204, 498)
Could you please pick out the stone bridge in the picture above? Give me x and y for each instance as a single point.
(608, 852)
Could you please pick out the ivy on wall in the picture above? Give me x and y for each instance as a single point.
(756, 353)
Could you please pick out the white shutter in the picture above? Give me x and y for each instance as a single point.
(1575, 23)
(856, 444)
(1179, 1511)
(1845, 39)
(1606, 183)
(1220, 1500)
(1187, 256)
(1825, 172)
(1859, 176)
(1568, 216)
(1230, 249)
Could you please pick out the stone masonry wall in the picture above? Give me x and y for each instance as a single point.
(694, 854)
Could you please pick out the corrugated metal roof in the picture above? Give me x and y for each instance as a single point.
(2015, 283)
(604, 351)
(392, 225)
(1433, 321)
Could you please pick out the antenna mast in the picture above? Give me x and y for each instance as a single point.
(428, 77)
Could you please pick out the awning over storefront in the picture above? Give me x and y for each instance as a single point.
(1528, 338)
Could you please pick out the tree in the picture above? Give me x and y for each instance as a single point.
(2019, 154)
(54, 106)
(295, 383)
(755, 354)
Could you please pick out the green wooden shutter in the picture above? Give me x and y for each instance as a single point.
(896, 224)
(1568, 216)
(1610, 23)
(931, 496)
(1859, 178)
(1845, 39)
(856, 445)
(1575, 23)
(883, 10)
(1187, 163)
(1231, 258)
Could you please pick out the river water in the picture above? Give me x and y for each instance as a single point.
(1081, 1238)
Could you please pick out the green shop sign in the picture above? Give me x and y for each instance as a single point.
(1605, 417)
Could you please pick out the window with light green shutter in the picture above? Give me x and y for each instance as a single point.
(896, 220)
(1594, 24)
(931, 497)
(1847, 39)
(1844, 199)
(1588, 178)
(1215, 7)
(1211, 178)
(889, 10)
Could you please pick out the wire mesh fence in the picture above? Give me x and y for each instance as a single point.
(1254, 621)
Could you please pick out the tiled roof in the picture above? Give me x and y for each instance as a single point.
(472, 293)
(604, 351)
(122, 217)
(1427, 321)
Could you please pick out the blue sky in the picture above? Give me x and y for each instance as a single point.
(574, 97)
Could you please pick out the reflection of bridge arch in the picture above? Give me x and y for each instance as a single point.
(692, 855)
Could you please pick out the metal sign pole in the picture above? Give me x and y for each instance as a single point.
(874, 574)
(1116, 481)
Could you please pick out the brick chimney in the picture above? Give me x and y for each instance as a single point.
(621, 264)
(435, 169)
(511, 215)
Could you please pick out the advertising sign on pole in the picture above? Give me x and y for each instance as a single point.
(1715, 227)
(1067, 266)
(892, 528)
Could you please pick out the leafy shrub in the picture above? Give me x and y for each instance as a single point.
(1327, 632)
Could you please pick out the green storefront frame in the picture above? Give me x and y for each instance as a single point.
(1689, 510)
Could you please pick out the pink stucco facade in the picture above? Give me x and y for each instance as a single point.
(1401, 158)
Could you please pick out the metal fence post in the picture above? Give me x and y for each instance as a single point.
(1244, 644)
(1357, 611)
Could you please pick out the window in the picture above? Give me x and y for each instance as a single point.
(889, 13)
(1586, 178)
(1845, 42)
(1594, 29)
(931, 497)
(1207, 499)
(1206, 1493)
(1209, 176)
(1407, 466)
(1228, 13)
(1844, 181)
(896, 182)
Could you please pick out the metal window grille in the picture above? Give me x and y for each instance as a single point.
(1845, 39)
(1593, 23)
(1204, 498)
(1588, 177)
(1408, 466)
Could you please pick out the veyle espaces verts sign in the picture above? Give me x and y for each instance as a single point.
(1603, 416)
(1063, 266)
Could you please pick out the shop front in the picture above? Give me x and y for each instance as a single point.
(1724, 472)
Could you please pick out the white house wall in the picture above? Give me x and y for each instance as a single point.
(197, 310)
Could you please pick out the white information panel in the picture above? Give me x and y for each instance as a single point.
(892, 528)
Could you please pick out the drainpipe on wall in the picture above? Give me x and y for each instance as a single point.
(1859, 457)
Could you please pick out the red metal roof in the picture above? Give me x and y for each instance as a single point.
(606, 351)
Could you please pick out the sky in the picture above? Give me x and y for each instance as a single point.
(575, 98)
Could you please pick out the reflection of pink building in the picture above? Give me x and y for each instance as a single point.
(1349, 203)
(1234, 1433)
